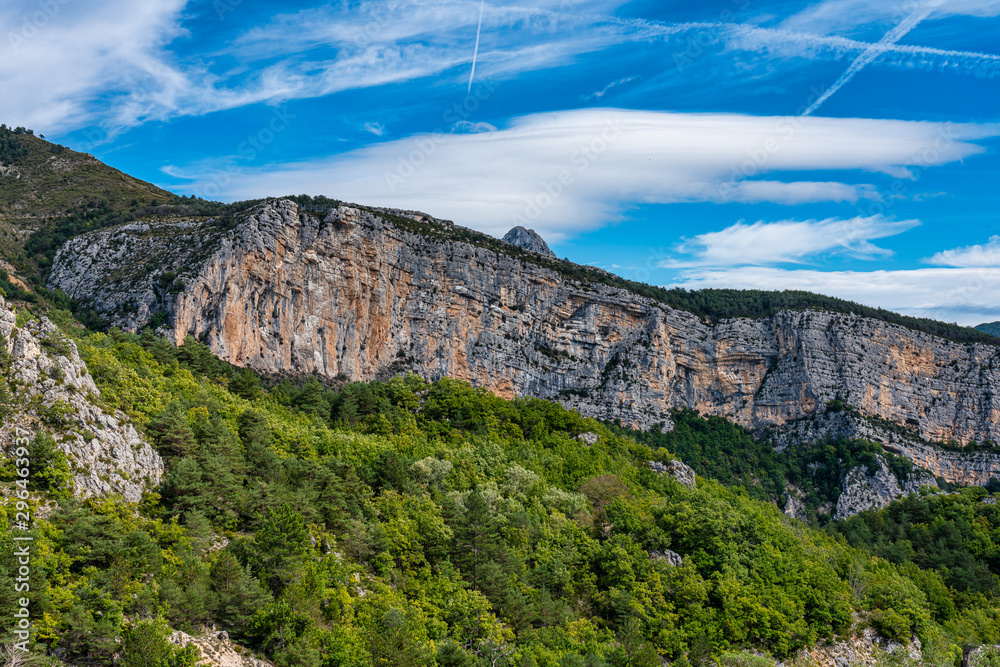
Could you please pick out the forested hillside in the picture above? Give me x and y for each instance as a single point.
(407, 523)
(727, 452)
(413, 523)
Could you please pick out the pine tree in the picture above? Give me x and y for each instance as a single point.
(475, 537)
(245, 385)
(238, 595)
(172, 433)
(281, 544)
(310, 398)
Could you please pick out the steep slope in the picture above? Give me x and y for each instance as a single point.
(45, 388)
(41, 181)
(356, 294)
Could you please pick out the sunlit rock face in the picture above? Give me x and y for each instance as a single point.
(359, 293)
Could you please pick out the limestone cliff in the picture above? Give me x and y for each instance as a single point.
(51, 391)
(363, 294)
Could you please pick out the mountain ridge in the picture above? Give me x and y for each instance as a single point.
(364, 295)
(94, 195)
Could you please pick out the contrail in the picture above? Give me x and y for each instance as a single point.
(874, 51)
(475, 53)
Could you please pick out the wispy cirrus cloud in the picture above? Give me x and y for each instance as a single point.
(873, 52)
(68, 65)
(831, 16)
(117, 64)
(597, 94)
(787, 242)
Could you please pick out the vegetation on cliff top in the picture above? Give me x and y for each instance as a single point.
(711, 305)
(991, 328)
(46, 183)
(407, 523)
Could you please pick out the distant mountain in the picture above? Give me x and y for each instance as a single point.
(992, 328)
(528, 239)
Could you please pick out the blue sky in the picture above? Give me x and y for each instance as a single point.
(847, 147)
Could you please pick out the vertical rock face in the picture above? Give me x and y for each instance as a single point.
(355, 294)
(528, 239)
(54, 393)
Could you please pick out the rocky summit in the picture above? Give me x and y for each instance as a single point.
(364, 295)
(528, 239)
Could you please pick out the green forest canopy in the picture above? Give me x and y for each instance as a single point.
(407, 523)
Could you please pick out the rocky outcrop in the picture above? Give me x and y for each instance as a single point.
(795, 507)
(353, 293)
(865, 489)
(971, 467)
(52, 391)
(981, 656)
(528, 239)
(671, 558)
(862, 648)
(679, 470)
(216, 650)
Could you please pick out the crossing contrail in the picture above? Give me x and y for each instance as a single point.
(475, 53)
(875, 50)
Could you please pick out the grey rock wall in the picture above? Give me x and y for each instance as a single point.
(55, 393)
(864, 489)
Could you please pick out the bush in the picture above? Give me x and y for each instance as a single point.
(891, 625)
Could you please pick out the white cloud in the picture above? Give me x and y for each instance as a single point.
(604, 91)
(966, 296)
(799, 192)
(843, 15)
(985, 255)
(57, 59)
(611, 159)
(469, 126)
(112, 63)
(787, 241)
(375, 128)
